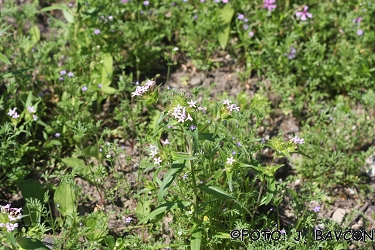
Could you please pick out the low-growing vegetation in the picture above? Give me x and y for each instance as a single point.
(188, 124)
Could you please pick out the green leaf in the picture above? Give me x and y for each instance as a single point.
(4, 59)
(55, 7)
(196, 239)
(143, 208)
(109, 240)
(159, 210)
(222, 235)
(109, 90)
(216, 191)
(52, 143)
(68, 16)
(107, 69)
(31, 243)
(226, 14)
(65, 199)
(35, 33)
(92, 151)
(32, 189)
(209, 137)
(168, 179)
(230, 179)
(177, 156)
(98, 225)
(73, 162)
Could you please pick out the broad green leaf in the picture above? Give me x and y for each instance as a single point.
(52, 143)
(92, 151)
(4, 59)
(109, 240)
(32, 244)
(73, 162)
(35, 33)
(222, 235)
(55, 7)
(10, 238)
(65, 200)
(226, 14)
(159, 210)
(168, 179)
(230, 179)
(109, 90)
(68, 16)
(107, 69)
(216, 191)
(196, 239)
(177, 156)
(32, 188)
(143, 208)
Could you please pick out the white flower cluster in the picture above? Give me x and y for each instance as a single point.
(231, 107)
(153, 153)
(179, 113)
(140, 90)
(13, 215)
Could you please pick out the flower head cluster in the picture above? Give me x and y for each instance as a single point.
(179, 112)
(63, 73)
(297, 140)
(13, 113)
(269, 4)
(153, 153)
(8, 216)
(316, 209)
(140, 90)
(230, 107)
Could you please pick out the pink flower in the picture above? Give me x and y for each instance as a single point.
(269, 4)
(303, 14)
(225, 1)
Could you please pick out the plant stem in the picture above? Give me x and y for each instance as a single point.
(258, 201)
(195, 191)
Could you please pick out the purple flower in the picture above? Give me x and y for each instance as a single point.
(12, 112)
(225, 1)
(240, 16)
(251, 34)
(263, 140)
(97, 32)
(303, 14)
(233, 152)
(239, 144)
(316, 209)
(192, 127)
(57, 135)
(292, 53)
(246, 27)
(282, 231)
(84, 88)
(63, 72)
(217, 1)
(202, 1)
(359, 32)
(269, 4)
(124, 1)
(128, 219)
(145, 3)
(358, 20)
(61, 79)
(185, 176)
(110, 18)
(195, 16)
(297, 140)
(100, 85)
(141, 12)
(70, 74)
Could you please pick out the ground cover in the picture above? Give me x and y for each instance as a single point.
(187, 124)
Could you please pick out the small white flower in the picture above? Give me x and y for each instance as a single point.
(230, 161)
(166, 142)
(157, 161)
(153, 152)
(179, 233)
(181, 119)
(175, 49)
(35, 117)
(192, 104)
(108, 156)
(31, 109)
(189, 118)
(227, 102)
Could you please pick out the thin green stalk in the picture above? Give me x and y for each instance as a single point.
(258, 201)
